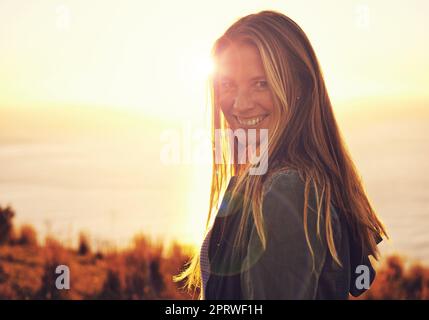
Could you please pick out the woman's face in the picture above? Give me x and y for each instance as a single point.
(244, 96)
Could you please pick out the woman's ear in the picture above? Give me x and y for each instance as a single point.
(299, 93)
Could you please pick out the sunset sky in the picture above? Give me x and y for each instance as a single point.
(153, 57)
(108, 75)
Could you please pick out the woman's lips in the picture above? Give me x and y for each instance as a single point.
(250, 121)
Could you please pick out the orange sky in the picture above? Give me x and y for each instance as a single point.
(70, 60)
(153, 57)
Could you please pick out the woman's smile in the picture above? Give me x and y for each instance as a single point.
(250, 122)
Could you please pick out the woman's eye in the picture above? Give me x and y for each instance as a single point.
(262, 84)
(225, 84)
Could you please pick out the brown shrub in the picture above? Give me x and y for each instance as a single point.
(396, 281)
(27, 236)
(6, 225)
(84, 247)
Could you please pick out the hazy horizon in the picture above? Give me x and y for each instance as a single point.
(104, 175)
(91, 94)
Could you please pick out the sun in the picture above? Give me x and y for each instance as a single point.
(194, 69)
(204, 67)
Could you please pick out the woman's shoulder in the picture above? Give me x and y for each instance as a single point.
(288, 185)
(283, 177)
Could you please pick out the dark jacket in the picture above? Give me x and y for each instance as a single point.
(285, 269)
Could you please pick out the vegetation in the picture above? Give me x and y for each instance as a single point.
(144, 270)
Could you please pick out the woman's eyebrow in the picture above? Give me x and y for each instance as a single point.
(257, 78)
(223, 77)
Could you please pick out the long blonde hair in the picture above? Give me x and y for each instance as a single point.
(305, 137)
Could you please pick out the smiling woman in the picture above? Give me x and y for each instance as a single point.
(244, 95)
(305, 227)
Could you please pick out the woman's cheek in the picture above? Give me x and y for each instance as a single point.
(226, 105)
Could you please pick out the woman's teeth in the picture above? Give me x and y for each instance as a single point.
(250, 122)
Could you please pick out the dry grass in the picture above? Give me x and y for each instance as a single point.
(144, 270)
(397, 280)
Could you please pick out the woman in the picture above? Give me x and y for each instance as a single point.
(304, 228)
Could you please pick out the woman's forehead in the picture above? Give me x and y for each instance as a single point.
(239, 60)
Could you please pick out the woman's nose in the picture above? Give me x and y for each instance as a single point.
(242, 102)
